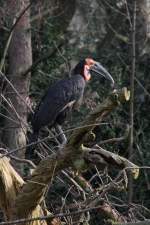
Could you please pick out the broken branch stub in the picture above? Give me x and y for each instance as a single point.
(100, 155)
(103, 109)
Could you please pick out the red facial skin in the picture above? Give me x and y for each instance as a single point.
(86, 73)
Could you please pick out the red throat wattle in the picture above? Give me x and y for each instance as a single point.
(86, 73)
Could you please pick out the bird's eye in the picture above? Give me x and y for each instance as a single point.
(90, 62)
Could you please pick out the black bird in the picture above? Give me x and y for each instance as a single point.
(61, 97)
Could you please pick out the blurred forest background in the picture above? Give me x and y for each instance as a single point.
(41, 47)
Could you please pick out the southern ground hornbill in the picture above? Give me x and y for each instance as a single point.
(61, 97)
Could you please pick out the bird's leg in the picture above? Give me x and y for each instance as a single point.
(61, 136)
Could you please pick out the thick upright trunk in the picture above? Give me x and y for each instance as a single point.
(20, 58)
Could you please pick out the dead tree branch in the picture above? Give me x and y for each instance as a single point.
(49, 167)
(26, 204)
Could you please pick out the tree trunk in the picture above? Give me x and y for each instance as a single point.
(133, 67)
(20, 58)
(144, 7)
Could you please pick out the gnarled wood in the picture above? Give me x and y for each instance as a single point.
(33, 191)
(25, 204)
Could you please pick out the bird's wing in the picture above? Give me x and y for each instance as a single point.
(78, 103)
(69, 104)
(58, 97)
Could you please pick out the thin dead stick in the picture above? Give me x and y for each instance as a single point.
(119, 139)
(9, 118)
(60, 215)
(145, 172)
(64, 58)
(18, 159)
(140, 84)
(23, 161)
(20, 120)
(12, 86)
(136, 79)
(8, 103)
(18, 149)
(46, 138)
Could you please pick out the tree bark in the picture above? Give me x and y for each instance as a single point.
(20, 58)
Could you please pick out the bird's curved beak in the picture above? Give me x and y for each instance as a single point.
(100, 70)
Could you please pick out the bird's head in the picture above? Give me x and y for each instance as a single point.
(88, 65)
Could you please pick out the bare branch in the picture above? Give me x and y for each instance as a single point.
(14, 89)
(72, 152)
(117, 139)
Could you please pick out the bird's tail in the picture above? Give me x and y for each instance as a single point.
(30, 153)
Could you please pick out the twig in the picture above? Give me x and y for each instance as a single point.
(128, 13)
(23, 161)
(2, 150)
(64, 58)
(145, 172)
(11, 151)
(144, 89)
(119, 139)
(12, 86)
(74, 182)
(131, 140)
(60, 215)
(135, 78)
(17, 149)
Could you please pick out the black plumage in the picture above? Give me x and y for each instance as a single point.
(56, 104)
(60, 98)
